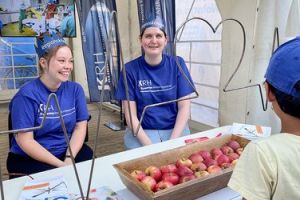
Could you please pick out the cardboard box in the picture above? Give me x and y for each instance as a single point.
(189, 190)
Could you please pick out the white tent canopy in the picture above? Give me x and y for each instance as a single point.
(259, 19)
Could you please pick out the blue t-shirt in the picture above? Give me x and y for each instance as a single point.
(29, 104)
(154, 84)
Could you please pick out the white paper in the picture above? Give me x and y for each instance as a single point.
(250, 132)
(48, 188)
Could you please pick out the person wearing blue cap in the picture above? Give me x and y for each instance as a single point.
(155, 78)
(269, 168)
(46, 148)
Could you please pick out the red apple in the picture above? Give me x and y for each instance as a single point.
(214, 169)
(215, 152)
(233, 156)
(154, 172)
(233, 144)
(198, 167)
(183, 162)
(196, 158)
(168, 168)
(233, 163)
(226, 150)
(161, 185)
(225, 165)
(149, 182)
(186, 178)
(239, 150)
(208, 162)
(138, 174)
(223, 159)
(205, 154)
(201, 173)
(171, 177)
(183, 171)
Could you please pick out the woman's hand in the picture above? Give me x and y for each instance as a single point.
(183, 115)
(68, 161)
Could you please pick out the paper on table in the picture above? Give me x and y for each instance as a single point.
(48, 188)
(250, 132)
(56, 188)
(101, 193)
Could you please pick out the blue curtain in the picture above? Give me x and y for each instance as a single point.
(94, 16)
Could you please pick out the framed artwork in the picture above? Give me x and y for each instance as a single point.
(35, 17)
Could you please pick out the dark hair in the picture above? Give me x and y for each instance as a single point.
(287, 103)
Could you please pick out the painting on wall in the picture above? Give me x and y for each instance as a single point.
(35, 17)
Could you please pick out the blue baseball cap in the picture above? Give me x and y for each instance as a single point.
(47, 42)
(153, 21)
(283, 71)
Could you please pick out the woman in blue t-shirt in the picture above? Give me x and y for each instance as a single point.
(46, 148)
(154, 78)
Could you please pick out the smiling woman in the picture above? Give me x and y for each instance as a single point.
(46, 148)
(155, 78)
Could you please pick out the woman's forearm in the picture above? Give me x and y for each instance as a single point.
(77, 138)
(33, 149)
(141, 135)
(181, 119)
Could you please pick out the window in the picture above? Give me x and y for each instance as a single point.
(201, 49)
(18, 63)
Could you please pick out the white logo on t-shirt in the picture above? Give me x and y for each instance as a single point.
(145, 83)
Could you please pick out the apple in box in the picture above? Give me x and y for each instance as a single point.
(239, 150)
(205, 154)
(184, 162)
(233, 144)
(187, 178)
(138, 174)
(154, 172)
(223, 159)
(201, 173)
(208, 162)
(233, 156)
(214, 169)
(198, 167)
(171, 177)
(183, 171)
(226, 150)
(149, 182)
(161, 185)
(215, 153)
(196, 158)
(168, 168)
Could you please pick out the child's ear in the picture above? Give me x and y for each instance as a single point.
(271, 97)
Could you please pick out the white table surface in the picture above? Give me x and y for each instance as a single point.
(105, 175)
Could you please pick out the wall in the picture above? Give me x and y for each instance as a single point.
(260, 19)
